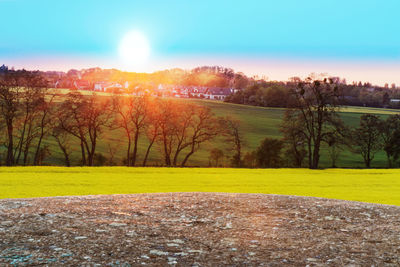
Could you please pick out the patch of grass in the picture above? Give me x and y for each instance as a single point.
(257, 123)
(377, 186)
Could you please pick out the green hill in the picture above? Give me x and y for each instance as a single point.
(257, 123)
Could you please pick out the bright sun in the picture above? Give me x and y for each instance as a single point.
(134, 49)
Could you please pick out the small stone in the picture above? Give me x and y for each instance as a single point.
(312, 259)
(115, 224)
(172, 245)
(228, 226)
(158, 252)
(80, 237)
(179, 241)
(195, 251)
(252, 253)
(100, 231)
(180, 254)
(145, 257)
(131, 233)
(7, 223)
(57, 249)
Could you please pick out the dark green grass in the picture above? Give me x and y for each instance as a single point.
(256, 124)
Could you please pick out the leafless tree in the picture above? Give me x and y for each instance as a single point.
(316, 106)
(63, 140)
(46, 109)
(152, 128)
(203, 128)
(86, 117)
(132, 118)
(234, 137)
(15, 104)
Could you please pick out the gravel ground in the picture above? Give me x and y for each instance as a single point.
(197, 229)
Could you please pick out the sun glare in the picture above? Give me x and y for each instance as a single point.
(134, 49)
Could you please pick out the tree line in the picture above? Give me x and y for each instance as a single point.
(313, 122)
(32, 118)
(279, 94)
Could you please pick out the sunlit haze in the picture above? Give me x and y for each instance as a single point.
(357, 40)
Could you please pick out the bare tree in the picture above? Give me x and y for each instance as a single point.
(316, 114)
(132, 118)
(44, 126)
(203, 128)
(167, 128)
(234, 137)
(215, 157)
(368, 137)
(15, 87)
(294, 139)
(63, 140)
(152, 129)
(86, 117)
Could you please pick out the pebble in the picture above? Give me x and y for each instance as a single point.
(181, 254)
(195, 251)
(179, 241)
(115, 224)
(158, 252)
(7, 223)
(131, 233)
(80, 237)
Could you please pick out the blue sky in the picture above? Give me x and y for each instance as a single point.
(190, 32)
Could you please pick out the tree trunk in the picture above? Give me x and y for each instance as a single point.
(36, 159)
(147, 152)
(316, 155)
(135, 143)
(389, 160)
(187, 157)
(166, 153)
(83, 154)
(128, 153)
(65, 152)
(10, 154)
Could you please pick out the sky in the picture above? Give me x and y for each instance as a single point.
(358, 40)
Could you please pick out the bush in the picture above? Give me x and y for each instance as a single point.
(268, 153)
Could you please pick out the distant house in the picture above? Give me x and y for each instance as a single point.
(100, 86)
(394, 100)
(198, 92)
(107, 86)
(82, 85)
(218, 93)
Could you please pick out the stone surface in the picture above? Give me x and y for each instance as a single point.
(197, 229)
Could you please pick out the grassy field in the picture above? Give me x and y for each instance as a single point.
(260, 122)
(377, 186)
(257, 123)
